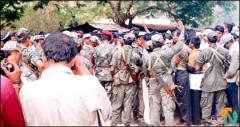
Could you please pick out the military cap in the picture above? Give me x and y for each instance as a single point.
(11, 46)
(226, 38)
(156, 37)
(129, 36)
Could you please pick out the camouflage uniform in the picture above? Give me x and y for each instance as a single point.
(213, 83)
(87, 52)
(160, 63)
(102, 58)
(29, 57)
(123, 83)
(136, 90)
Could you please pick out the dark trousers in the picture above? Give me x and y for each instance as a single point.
(196, 109)
(182, 78)
(232, 96)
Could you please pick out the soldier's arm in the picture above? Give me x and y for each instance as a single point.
(204, 57)
(113, 62)
(234, 65)
(137, 63)
(36, 60)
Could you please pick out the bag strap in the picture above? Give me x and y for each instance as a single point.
(126, 61)
(155, 63)
(219, 56)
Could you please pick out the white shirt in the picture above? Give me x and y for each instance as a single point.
(61, 98)
(234, 52)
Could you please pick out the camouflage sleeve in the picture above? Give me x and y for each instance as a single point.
(137, 62)
(144, 66)
(177, 47)
(34, 57)
(95, 55)
(204, 57)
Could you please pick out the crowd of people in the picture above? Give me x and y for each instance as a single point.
(111, 78)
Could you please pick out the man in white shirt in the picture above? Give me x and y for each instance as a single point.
(61, 96)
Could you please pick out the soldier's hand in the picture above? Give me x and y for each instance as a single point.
(177, 60)
(15, 75)
(180, 26)
(179, 88)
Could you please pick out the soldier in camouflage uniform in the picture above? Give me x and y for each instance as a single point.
(213, 84)
(125, 64)
(102, 59)
(160, 63)
(139, 49)
(31, 64)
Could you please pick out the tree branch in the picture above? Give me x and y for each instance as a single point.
(156, 7)
(129, 7)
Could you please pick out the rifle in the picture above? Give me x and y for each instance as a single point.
(160, 81)
(126, 64)
(168, 90)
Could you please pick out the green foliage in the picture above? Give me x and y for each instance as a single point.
(192, 13)
(10, 11)
(45, 15)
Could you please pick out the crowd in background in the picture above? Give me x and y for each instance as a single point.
(77, 78)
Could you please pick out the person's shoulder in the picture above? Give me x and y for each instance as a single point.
(30, 89)
(87, 80)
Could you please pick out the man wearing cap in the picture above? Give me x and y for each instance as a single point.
(124, 66)
(12, 55)
(102, 58)
(213, 84)
(159, 63)
(87, 50)
(232, 74)
(141, 51)
(31, 62)
(204, 41)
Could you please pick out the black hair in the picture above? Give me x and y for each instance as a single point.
(235, 36)
(168, 36)
(177, 31)
(147, 37)
(196, 41)
(128, 41)
(59, 47)
(212, 39)
(157, 44)
(229, 26)
(219, 28)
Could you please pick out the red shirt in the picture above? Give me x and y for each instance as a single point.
(11, 110)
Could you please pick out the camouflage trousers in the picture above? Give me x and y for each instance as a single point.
(160, 102)
(136, 101)
(122, 98)
(107, 85)
(208, 99)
